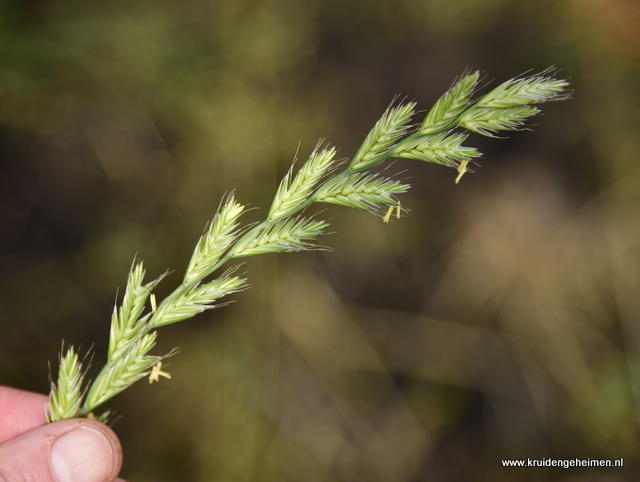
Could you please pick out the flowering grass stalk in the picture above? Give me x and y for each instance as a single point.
(438, 139)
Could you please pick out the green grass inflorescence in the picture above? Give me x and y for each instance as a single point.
(437, 139)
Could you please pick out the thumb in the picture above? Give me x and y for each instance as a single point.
(67, 451)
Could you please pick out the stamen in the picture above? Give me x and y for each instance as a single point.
(462, 168)
(154, 306)
(387, 216)
(156, 373)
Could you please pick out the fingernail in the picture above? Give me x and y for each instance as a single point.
(83, 454)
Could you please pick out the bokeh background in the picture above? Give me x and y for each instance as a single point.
(500, 318)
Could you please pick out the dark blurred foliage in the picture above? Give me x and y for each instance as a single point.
(498, 319)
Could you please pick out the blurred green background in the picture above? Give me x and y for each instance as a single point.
(499, 319)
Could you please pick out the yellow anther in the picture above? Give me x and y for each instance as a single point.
(398, 210)
(236, 210)
(154, 306)
(91, 416)
(387, 216)
(156, 373)
(462, 168)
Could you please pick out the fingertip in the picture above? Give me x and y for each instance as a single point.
(66, 451)
(112, 439)
(106, 432)
(88, 450)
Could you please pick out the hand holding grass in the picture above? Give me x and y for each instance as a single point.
(68, 450)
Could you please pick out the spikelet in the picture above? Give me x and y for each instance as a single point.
(292, 193)
(444, 149)
(448, 108)
(391, 127)
(292, 234)
(361, 190)
(65, 397)
(219, 235)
